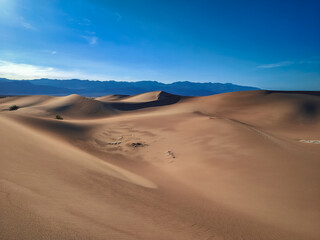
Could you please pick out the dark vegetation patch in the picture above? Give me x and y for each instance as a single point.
(13, 108)
(59, 117)
(137, 144)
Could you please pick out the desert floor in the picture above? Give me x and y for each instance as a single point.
(154, 166)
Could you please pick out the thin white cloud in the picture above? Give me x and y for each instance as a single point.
(82, 22)
(276, 65)
(26, 24)
(13, 70)
(53, 52)
(91, 33)
(86, 21)
(118, 16)
(10, 15)
(92, 40)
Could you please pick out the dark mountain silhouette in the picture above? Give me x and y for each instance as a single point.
(100, 88)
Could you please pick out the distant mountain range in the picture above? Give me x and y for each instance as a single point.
(101, 88)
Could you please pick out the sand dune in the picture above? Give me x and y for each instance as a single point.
(22, 101)
(111, 98)
(161, 166)
(150, 97)
(72, 106)
(76, 106)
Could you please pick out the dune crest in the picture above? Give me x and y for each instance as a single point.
(150, 97)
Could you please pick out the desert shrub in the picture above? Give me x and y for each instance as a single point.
(59, 117)
(13, 107)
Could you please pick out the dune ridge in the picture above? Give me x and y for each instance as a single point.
(161, 166)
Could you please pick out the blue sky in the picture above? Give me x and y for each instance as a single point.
(269, 44)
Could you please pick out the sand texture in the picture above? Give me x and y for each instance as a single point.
(157, 166)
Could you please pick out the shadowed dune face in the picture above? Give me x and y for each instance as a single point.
(150, 97)
(242, 165)
(111, 98)
(146, 100)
